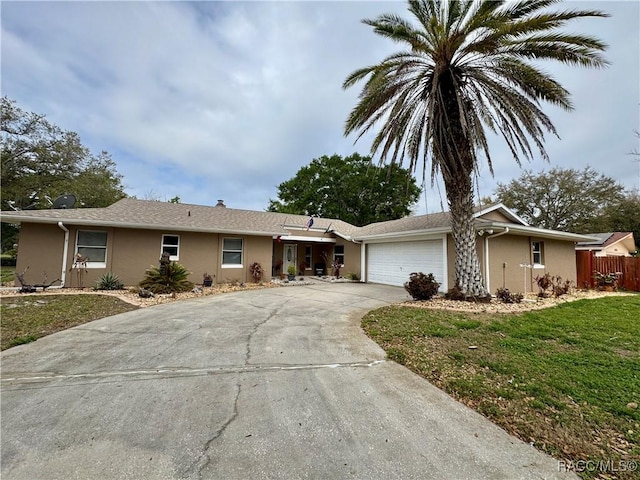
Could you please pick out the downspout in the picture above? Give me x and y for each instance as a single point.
(486, 256)
(65, 251)
(363, 262)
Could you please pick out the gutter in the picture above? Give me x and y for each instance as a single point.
(65, 251)
(486, 256)
(429, 232)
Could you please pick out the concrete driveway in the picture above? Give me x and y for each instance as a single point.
(267, 384)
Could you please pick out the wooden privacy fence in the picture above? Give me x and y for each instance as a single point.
(628, 267)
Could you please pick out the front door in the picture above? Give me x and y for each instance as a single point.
(290, 257)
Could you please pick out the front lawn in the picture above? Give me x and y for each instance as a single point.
(566, 379)
(26, 318)
(7, 274)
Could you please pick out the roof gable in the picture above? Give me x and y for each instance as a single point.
(499, 212)
(606, 240)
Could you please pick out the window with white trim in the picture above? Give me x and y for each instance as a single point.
(92, 245)
(537, 253)
(308, 257)
(338, 254)
(232, 252)
(171, 245)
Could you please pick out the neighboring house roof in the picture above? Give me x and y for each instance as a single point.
(606, 240)
(148, 214)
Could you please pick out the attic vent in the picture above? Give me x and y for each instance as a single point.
(221, 204)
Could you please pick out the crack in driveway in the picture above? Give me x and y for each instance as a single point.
(204, 459)
(171, 372)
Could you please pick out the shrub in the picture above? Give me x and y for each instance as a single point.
(552, 285)
(606, 280)
(561, 288)
(256, 271)
(353, 276)
(455, 293)
(544, 285)
(172, 278)
(8, 258)
(108, 281)
(505, 296)
(421, 286)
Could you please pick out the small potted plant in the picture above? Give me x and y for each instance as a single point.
(607, 282)
(291, 271)
(207, 280)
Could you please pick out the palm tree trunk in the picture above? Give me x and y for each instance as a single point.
(468, 277)
(457, 166)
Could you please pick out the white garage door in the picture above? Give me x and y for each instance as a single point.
(392, 263)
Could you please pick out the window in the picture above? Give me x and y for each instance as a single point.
(92, 245)
(338, 254)
(537, 249)
(232, 252)
(307, 257)
(171, 245)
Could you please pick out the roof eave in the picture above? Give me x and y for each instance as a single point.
(410, 233)
(167, 227)
(505, 210)
(542, 232)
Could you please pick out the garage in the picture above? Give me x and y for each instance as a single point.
(392, 263)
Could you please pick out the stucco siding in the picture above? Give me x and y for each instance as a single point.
(131, 252)
(495, 216)
(560, 259)
(40, 250)
(508, 252)
(255, 249)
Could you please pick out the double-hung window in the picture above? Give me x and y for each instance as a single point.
(537, 253)
(232, 252)
(171, 245)
(92, 245)
(338, 254)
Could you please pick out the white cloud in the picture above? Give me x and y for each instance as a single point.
(213, 100)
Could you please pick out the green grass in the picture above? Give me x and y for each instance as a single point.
(7, 274)
(560, 378)
(26, 318)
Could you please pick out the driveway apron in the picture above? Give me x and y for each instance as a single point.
(277, 383)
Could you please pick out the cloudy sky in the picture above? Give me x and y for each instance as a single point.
(225, 100)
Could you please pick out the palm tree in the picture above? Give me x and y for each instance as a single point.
(468, 68)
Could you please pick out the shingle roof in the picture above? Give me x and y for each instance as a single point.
(604, 239)
(132, 213)
(152, 215)
(406, 224)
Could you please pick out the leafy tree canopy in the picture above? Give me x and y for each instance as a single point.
(562, 199)
(621, 216)
(352, 189)
(40, 161)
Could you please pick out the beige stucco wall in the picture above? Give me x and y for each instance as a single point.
(495, 216)
(508, 252)
(131, 252)
(40, 250)
(256, 249)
